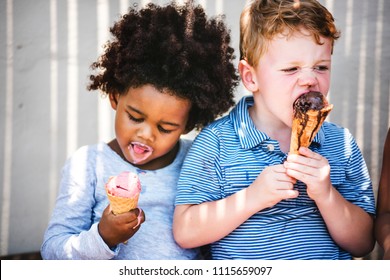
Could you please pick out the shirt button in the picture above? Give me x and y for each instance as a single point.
(270, 147)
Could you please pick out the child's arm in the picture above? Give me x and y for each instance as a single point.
(196, 225)
(349, 225)
(382, 223)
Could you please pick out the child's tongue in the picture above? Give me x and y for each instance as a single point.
(139, 152)
(139, 149)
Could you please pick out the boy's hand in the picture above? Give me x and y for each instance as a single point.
(312, 169)
(115, 229)
(274, 185)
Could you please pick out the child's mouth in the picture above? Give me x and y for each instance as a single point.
(139, 152)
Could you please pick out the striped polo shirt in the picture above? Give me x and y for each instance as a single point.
(229, 154)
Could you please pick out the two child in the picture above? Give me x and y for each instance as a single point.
(240, 190)
(167, 70)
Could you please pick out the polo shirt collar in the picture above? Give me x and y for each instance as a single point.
(248, 135)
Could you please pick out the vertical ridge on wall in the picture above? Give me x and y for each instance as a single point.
(73, 79)
(53, 178)
(104, 110)
(375, 120)
(7, 169)
(360, 120)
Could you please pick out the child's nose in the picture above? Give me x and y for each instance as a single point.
(146, 132)
(307, 77)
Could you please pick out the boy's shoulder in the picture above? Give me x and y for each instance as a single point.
(219, 128)
(337, 137)
(219, 123)
(335, 130)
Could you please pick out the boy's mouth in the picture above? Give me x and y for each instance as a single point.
(139, 152)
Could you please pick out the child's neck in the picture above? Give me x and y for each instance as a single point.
(278, 132)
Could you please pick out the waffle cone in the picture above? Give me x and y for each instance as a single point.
(305, 126)
(121, 205)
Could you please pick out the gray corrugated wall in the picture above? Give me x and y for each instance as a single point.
(46, 48)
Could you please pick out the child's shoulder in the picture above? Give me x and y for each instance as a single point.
(185, 144)
(89, 152)
(92, 148)
(338, 137)
(336, 130)
(217, 129)
(218, 124)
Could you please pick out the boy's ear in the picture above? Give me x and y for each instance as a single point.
(247, 74)
(113, 100)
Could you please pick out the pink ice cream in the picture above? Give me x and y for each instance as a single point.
(126, 184)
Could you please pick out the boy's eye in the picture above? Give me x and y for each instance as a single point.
(290, 70)
(132, 118)
(321, 68)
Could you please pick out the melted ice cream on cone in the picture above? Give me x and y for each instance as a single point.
(310, 111)
(123, 192)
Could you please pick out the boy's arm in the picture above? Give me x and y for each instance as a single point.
(201, 224)
(204, 223)
(203, 214)
(349, 225)
(382, 223)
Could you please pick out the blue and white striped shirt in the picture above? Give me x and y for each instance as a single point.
(229, 154)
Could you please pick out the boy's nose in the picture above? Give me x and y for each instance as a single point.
(307, 77)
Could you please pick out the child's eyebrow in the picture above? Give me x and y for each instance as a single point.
(170, 123)
(324, 60)
(316, 62)
(131, 108)
(141, 113)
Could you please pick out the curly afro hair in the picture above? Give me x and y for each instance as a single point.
(176, 49)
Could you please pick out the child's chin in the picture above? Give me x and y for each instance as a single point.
(139, 159)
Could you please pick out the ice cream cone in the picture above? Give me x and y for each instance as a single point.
(121, 205)
(123, 192)
(305, 126)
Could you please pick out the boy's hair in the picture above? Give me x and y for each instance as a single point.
(261, 20)
(176, 49)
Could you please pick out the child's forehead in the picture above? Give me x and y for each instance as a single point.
(296, 47)
(290, 37)
(153, 93)
(298, 32)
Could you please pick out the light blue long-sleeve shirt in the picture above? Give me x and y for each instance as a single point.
(72, 231)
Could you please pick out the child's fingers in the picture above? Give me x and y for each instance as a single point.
(291, 193)
(140, 218)
(306, 158)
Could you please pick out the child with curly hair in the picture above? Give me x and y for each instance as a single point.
(241, 190)
(167, 71)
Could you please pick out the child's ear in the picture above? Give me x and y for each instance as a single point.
(113, 100)
(247, 74)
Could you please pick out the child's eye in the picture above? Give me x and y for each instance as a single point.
(321, 68)
(290, 70)
(163, 130)
(134, 119)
